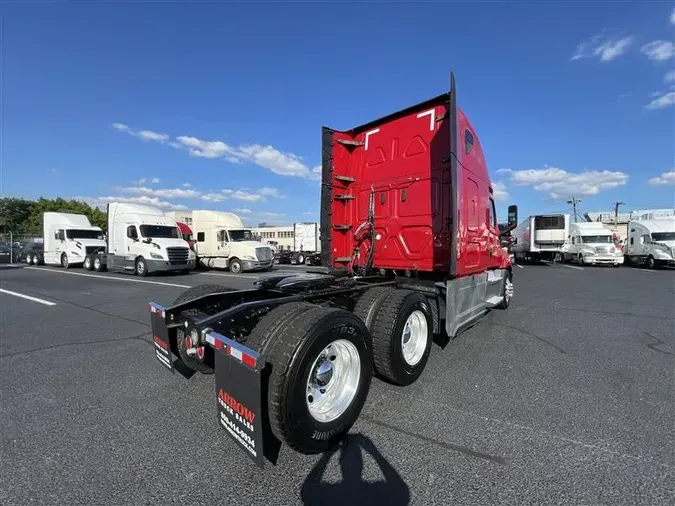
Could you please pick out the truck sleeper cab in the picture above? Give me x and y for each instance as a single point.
(592, 243)
(142, 240)
(223, 242)
(410, 246)
(651, 243)
(69, 239)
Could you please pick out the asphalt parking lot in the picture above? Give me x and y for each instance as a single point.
(566, 398)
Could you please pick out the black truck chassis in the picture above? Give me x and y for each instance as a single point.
(221, 321)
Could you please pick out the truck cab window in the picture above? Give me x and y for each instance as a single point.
(468, 141)
(222, 236)
(493, 215)
(131, 232)
(200, 236)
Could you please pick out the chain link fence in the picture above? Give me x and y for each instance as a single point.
(11, 245)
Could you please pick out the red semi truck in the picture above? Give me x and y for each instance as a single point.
(186, 234)
(410, 248)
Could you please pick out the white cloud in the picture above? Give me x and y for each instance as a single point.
(672, 17)
(146, 135)
(667, 178)
(561, 184)
(265, 156)
(101, 202)
(241, 210)
(145, 180)
(659, 50)
(271, 192)
(187, 185)
(499, 191)
(665, 100)
(670, 77)
(167, 193)
(309, 213)
(603, 47)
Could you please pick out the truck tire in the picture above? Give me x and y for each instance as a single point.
(141, 267)
(321, 373)
(507, 291)
(87, 264)
(651, 263)
(369, 303)
(98, 264)
(300, 259)
(205, 364)
(402, 337)
(235, 266)
(64, 261)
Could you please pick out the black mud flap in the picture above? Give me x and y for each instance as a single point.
(241, 377)
(160, 336)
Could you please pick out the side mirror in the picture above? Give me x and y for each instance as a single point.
(513, 216)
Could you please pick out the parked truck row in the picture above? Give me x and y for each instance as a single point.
(554, 237)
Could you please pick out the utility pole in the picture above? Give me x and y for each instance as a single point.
(616, 212)
(574, 202)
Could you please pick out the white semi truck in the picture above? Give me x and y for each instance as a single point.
(651, 242)
(142, 240)
(69, 239)
(592, 243)
(540, 237)
(224, 242)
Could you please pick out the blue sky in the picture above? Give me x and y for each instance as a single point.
(219, 106)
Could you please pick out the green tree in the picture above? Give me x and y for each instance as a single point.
(14, 214)
(34, 223)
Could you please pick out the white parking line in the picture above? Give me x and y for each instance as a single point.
(28, 297)
(109, 278)
(573, 267)
(226, 275)
(645, 270)
(518, 265)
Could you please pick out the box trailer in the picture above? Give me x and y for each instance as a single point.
(306, 245)
(410, 248)
(540, 237)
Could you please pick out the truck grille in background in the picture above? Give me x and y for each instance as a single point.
(263, 254)
(177, 255)
(602, 250)
(94, 249)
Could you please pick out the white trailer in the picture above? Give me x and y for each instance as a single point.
(651, 242)
(540, 237)
(592, 243)
(142, 240)
(69, 239)
(306, 245)
(223, 242)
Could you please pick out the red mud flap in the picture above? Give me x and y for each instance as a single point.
(160, 336)
(239, 393)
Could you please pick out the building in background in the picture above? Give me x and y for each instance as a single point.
(182, 216)
(619, 223)
(280, 236)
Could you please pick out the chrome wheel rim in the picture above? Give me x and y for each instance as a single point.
(140, 266)
(508, 289)
(333, 381)
(414, 337)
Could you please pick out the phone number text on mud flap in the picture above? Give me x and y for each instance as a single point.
(236, 431)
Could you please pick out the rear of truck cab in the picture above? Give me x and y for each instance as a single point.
(409, 237)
